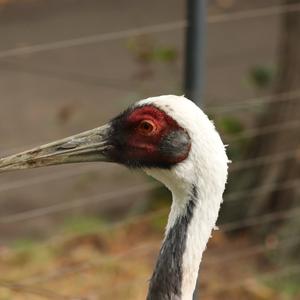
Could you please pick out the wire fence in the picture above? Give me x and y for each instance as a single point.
(267, 276)
(31, 285)
(132, 191)
(158, 28)
(148, 217)
(104, 37)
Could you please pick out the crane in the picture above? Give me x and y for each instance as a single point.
(172, 140)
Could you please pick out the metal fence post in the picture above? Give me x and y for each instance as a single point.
(194, 50)
(194, 61)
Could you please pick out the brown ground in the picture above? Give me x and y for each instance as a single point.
(117, 263)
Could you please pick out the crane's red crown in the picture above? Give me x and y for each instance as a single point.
(146, 136)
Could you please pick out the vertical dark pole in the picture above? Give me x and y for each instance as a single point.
(194, 51)
(194, 61)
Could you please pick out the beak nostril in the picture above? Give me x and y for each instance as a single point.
(66, 146)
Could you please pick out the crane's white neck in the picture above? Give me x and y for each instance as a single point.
(197, 185)
(193, 215)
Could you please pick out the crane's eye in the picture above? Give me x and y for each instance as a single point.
(146, 127)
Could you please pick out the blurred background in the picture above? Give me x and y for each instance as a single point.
(92, 231)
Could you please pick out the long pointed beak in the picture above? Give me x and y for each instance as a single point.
(84, 147)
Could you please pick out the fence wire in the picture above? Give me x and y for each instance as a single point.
(267, 276)
(134, 190)
(157, 28)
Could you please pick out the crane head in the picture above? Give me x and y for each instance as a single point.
(144, 136)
